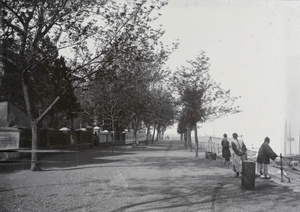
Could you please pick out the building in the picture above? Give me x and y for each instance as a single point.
(12, 116)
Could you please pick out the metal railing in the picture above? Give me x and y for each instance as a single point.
(285, 164)
(281, 164)
(289, 162)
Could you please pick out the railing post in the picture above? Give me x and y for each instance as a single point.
(281, 169)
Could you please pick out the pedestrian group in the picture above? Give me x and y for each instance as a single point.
(239, 154)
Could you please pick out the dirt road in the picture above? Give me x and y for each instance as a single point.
(160, 177)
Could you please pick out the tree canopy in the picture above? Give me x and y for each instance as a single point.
(98, 35)
(111, 52)
(201, 99)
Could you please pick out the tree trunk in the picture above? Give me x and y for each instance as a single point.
(189, 139)
(136, 126)
(34, 125)
(154, 128)
(147, 135)
(196, 140)
(135, 141)
(113, 135)
(157, 134)
(185, 140)
(35, 165)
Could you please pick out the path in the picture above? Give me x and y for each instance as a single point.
(159, 177)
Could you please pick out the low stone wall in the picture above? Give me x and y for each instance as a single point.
(9, 141)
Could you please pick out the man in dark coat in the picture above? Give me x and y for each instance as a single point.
(225, 150)
(263, 159)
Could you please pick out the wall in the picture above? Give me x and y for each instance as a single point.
(10, 116)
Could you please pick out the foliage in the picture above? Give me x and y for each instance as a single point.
(99, 35)
(48, 80)
(133, 66)
(11, 85)
(29, 27)
(162, 108)
(26, 25)
(200, 97)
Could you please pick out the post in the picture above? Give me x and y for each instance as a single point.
(248, 176)
(281, 169)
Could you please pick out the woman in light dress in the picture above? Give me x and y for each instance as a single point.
(238, 154)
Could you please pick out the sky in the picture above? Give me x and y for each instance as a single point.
(254, 51)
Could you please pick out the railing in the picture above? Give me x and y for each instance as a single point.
(121, 137)
(213, 147)
(281, 163)
(285, 164)
(292, 162)
(281, 169)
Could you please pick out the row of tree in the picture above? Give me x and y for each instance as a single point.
(114, 55)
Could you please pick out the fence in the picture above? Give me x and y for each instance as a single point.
(288, 164)
(107, 137)
(121, 137)
(210, 144)
(285, 164)
(59, 139)
(25, 138)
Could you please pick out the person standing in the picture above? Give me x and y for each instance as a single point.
(265, 152)
(225, 150)
(239, 151)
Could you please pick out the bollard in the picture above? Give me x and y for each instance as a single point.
(248, 175)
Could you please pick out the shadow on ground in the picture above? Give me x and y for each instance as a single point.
(63, 160)
(71, 160)
(211, 192)
(173, 181)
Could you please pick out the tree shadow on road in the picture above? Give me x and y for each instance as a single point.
(208, 193)
(215, 190)
(64, 160)
(71, 160)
